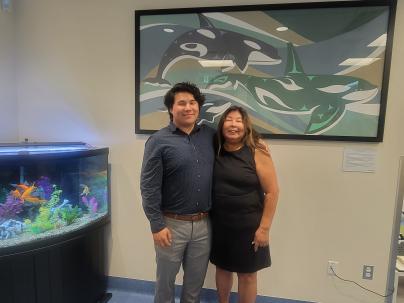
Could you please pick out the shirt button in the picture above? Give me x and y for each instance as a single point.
(197, 161)
(199, 176)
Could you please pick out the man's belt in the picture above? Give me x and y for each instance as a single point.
(190, 217)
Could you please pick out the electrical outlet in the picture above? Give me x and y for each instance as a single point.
(332, 267)
(368, 272)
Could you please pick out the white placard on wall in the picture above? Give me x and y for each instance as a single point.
(359, 159)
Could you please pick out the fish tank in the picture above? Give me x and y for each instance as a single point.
(49, 190)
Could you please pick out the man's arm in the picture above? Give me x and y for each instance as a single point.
(151, 181)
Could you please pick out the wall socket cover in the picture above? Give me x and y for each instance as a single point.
(368, 271)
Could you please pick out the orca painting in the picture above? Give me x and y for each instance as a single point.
(308, 71)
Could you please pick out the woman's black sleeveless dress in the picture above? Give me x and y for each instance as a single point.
(236, 213)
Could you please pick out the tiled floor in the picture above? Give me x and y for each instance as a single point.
(119, 296)
(126, 290)
(129, 297)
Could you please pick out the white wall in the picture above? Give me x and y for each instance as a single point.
(76, 73)
(8, 102)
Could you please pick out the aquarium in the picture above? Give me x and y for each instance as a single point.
(48, 190)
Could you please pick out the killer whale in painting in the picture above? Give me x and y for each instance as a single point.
(211, 43)
(324, 97)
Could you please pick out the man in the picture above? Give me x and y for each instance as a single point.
(176, 190)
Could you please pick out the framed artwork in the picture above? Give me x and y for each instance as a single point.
(316, 71)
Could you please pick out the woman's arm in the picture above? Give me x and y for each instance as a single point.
(269, 183)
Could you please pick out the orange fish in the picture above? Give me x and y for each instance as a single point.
(22, 186)
(16, 194)
(34, 199)
(26, 194)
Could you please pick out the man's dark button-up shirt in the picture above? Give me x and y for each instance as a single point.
(177, 173)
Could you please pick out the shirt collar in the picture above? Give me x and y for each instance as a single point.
(172, 127)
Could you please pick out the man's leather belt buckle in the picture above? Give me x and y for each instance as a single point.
(191, 217)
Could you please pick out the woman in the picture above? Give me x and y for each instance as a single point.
(245, 198)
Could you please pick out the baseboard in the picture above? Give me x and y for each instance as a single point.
(207, 295)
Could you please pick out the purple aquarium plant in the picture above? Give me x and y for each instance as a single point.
(91, 203)
(11, 208)
(44, 183)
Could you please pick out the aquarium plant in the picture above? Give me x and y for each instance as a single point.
(42, 222)
(53, 214)
(69, 214)
(54, 198)
(47, 217)
(3, 194)
(89, 200)
(10, 209)
(44, 184)
(91, 203)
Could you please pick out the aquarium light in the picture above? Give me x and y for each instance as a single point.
(40, 149)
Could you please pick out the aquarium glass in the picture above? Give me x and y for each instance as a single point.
(47, 197)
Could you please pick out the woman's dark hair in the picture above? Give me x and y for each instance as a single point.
(251, 138)
(183, 87)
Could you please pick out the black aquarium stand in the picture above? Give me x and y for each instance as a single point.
(65, 271)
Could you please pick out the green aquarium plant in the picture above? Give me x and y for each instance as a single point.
(47, 218)
(69, 214)
(42, 222)
(55, 197)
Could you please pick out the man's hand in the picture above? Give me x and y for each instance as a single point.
(163, 237)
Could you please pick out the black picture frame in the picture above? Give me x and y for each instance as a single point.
(311, 71)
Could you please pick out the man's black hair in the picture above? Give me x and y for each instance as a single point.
(183, 87)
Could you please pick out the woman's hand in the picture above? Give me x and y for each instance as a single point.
(261, 238)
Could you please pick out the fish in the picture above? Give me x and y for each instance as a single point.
(211, 43)
(16, 194)
(323, 97)
(86, 190)
(34, 200)
(25, 194)
(22, 186)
